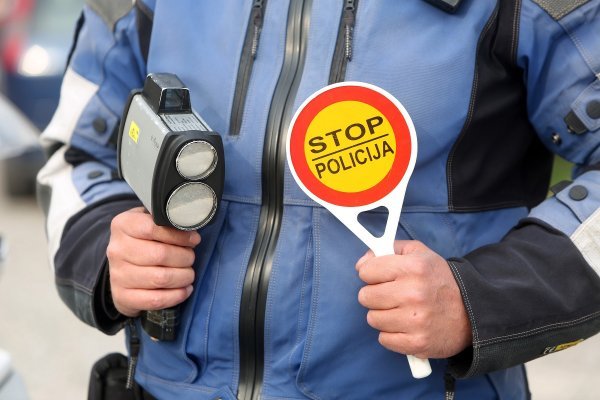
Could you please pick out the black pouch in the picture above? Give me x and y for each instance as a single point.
(108, 380)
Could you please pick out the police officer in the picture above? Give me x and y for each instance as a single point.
(279, 299)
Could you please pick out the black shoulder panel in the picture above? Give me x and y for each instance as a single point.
(559, 8)
(110, 10)
(498, 160)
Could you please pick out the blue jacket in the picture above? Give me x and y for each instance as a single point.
(494, 90)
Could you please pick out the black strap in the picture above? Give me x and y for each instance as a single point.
(144, 20)
(449, 386)
(78, 27)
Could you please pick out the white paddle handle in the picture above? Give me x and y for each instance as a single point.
(382, 246)
(419, 367)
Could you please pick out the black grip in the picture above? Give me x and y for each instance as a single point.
(161, 324)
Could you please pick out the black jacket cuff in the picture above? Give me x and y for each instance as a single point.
(530, 295)
(81, 272)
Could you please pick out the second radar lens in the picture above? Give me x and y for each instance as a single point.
(191, 206)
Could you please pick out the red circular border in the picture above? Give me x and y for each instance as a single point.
(379, 102)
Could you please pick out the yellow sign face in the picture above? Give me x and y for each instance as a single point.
(134, 131)
(350, 146)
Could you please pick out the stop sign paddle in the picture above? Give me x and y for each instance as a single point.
(352, 148)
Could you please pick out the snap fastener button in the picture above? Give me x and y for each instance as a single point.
(99, 125)
(593, 109)
(578, 193)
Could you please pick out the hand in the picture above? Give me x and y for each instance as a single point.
(414, 302)
(150, 266)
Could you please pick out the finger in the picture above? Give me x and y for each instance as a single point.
(140, 209)
(382, 296)
(398, 320)
(150, 253)
(134, 277)
(381, 269)
(400, 293)
(144, 299)
(367, 256)
(404, 343)
(404, 247)
(141, 226)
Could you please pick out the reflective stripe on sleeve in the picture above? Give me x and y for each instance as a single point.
(65, 201)
(587, 240)
(75, 94)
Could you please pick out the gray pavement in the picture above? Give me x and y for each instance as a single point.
(53, 351)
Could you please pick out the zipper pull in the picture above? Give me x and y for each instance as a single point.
(257, 11)
(134, 351)
(349, 20)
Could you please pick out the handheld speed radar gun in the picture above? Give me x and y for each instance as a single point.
(174, 163)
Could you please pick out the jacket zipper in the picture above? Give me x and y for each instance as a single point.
(246, 63)
(254, 292)
(342, 54)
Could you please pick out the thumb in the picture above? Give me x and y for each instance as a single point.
(404, 247)
(368, 255)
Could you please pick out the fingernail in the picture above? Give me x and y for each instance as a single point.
(360, 262)
(195, 238)
(189, 289)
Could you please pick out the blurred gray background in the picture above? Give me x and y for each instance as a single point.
(51, 349)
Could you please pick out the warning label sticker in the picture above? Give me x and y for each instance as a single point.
(134, 131)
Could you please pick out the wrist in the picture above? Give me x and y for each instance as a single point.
(108, 318)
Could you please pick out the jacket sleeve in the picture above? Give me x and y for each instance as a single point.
(78, 187)
(538, 290)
